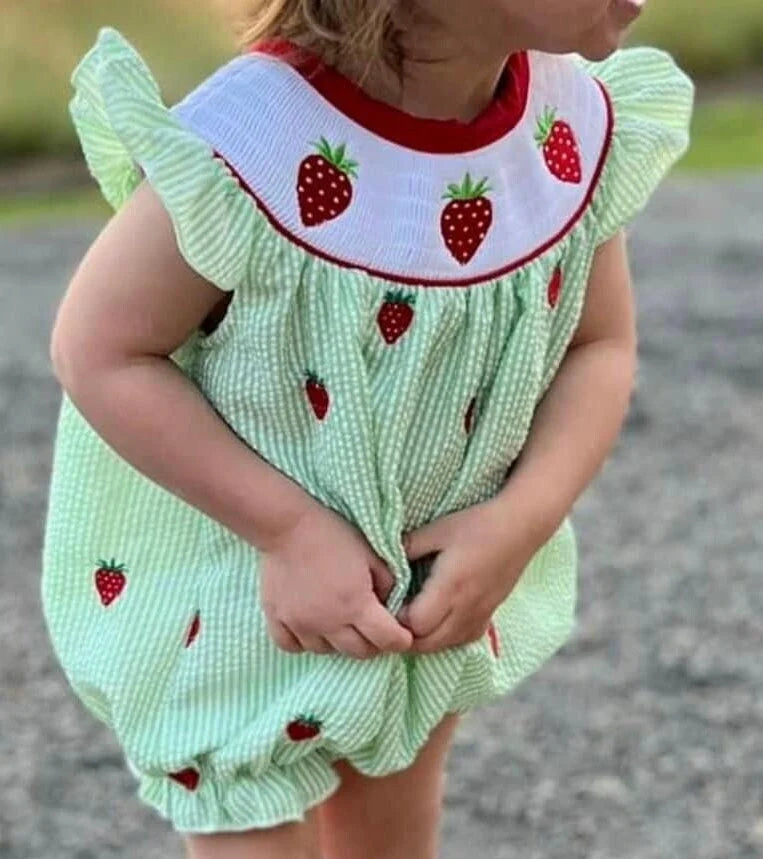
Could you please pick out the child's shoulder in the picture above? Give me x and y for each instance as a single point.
(248, 92)
(571, 142)
(128, 134)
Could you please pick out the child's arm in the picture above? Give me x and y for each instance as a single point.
(132, 302)
(580, 417)
(484, 549)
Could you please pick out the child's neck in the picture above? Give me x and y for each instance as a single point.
(443, 80)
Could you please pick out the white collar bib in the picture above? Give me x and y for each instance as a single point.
(424, 202)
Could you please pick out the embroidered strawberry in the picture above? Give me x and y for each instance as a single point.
(109, 580)
(189, 778)
(492, 635)
(466, 219)
(193, 630)
(303, 728)
(317, 394)
(469, 415)
(324, 189)
(555, 287)
(560, 148)
(395, 315)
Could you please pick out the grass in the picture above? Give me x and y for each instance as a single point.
(42, 40)
(727, 135)
(710, 38)
(28, 209)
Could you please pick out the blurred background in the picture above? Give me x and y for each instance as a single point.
(720, 42)
(643, 737)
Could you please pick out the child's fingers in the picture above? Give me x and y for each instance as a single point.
(430, 607)
(383, 580)
(316, 644)
(451, 633)
(284, 637)
(423, 541)
(352, 643)
(438, 639)
(382, 629)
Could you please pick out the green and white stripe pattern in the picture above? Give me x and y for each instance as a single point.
(257, 726)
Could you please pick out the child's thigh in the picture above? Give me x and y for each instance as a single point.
(392, 815)
(288, 841)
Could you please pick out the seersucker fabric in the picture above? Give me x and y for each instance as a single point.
(402, 296)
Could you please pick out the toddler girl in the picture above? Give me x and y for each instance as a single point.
(359, 334)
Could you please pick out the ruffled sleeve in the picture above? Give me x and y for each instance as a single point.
(652, 101)
(126, 133)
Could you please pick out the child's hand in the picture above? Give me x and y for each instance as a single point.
(482, 554)
(323, 587)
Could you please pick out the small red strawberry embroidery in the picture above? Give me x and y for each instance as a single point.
(189, 778)
(560, 148)
(555, 286)
(109, 580)
(324, 189)
(466, 219)
(395, 315)
(315, 389)
(469, 415)
(303, 728)
(492, 635)
(193, 631)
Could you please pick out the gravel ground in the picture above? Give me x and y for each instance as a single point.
(642, 738)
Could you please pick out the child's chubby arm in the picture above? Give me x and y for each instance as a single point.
(131, 303)
(579, 419)
(484, 549)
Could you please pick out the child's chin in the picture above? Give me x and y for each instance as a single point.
(601, 48)
(598, 54)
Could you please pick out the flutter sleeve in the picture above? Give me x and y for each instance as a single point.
(127, 133)
(652, 101)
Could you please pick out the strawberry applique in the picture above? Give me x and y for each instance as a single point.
(554, 287)
(395, 315)
(560, 148)
(109, 580)
(324, 189)
(492, 635)
(466, 219)
(193, 630)
(303, 728)
(189, 778)
(468, 417)
(315, 388)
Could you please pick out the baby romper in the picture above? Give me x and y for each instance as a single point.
(403, 293)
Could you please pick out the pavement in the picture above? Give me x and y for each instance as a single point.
(641, 739)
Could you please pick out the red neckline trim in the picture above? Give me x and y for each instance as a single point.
(438, 136)
(470, 281)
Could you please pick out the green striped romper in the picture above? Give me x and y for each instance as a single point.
(403, 291)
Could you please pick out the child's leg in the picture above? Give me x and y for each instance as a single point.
(289, 841)
(393, 817)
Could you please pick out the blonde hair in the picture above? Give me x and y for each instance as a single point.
(360, 33)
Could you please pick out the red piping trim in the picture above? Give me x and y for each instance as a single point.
(426, 282)
(439, 136)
